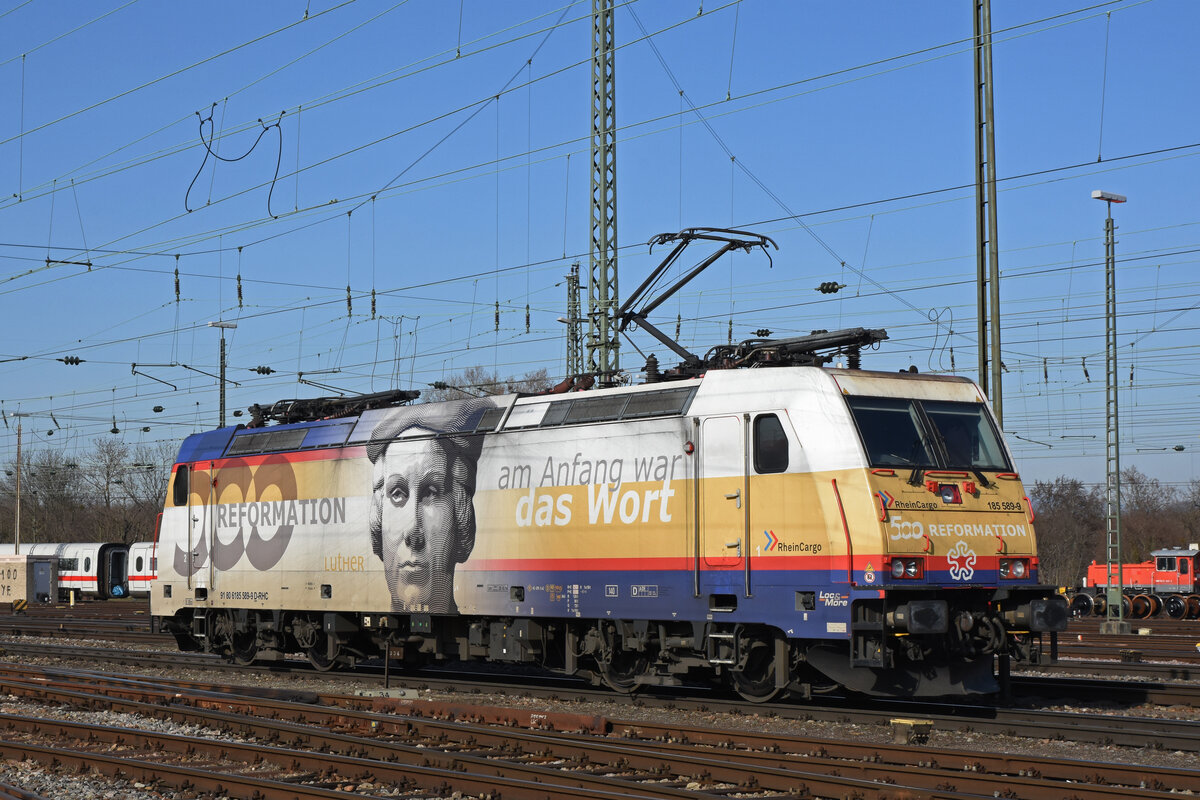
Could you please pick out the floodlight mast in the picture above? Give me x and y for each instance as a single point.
(1115, 608)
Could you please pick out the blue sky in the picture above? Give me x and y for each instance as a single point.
(437, 153)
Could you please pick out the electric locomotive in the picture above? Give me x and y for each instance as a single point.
(787, 529)
(781, 529)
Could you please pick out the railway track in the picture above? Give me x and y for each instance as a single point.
(313, 745)
(967, 718)
(686, 773)
(1161, 624)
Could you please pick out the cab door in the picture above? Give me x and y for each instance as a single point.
(724, 511)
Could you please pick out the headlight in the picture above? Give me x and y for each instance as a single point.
(1014, 568)
(908, 568)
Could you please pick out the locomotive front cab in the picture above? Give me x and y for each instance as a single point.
(954, 557)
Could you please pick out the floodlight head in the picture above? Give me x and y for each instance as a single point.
(1110, 197)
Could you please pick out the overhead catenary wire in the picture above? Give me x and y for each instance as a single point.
(319, 102)
(780, 85)
(239, 241)
(468, 276)
(777, 87)
(62, 35)
(173, 73)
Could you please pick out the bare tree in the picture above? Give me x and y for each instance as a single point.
(1190, 510)
(1150, 515)
(50, 502)
(123, 490)
(480, 381)
(145, 488)
(1070, 529)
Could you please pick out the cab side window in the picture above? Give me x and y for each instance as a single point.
(180, 495)
(770, 445)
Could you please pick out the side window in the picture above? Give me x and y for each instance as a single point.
(1183, 566)
(770, 445)
(137, 564)
(87, 564)
(180, 496)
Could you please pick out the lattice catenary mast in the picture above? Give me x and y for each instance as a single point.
(602, 344)
(988, 259)
(575, 361)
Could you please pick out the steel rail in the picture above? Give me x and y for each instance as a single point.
(776, 771)
(1133, 732)
(424, 768)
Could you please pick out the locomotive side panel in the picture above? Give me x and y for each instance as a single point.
(266, 532)
(585, 521)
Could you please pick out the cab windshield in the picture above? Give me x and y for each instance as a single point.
(930, 434)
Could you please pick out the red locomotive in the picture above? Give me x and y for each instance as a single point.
(1167, 582)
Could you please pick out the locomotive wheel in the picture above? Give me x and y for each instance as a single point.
(1083, 604)
(1176, 606)
(244, 643)
(756, 680)
(245, 649)
(318, 654)
(621, 670)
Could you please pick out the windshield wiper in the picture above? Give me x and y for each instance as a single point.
(915, 477)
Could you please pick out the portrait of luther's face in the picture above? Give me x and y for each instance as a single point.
(418, 525)
(422, 520)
